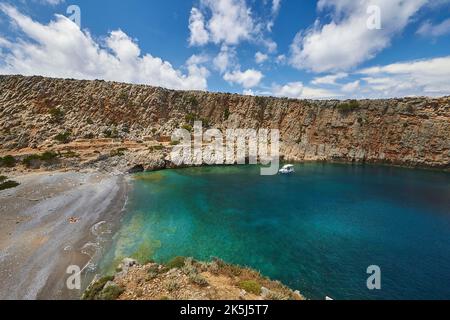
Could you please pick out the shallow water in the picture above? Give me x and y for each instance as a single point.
(316, 231)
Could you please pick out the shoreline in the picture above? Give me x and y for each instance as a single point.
(38, 240)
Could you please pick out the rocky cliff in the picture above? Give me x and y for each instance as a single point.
(39, 113)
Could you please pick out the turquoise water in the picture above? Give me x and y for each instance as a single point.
(316, 231)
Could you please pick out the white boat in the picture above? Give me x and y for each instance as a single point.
(287, 169)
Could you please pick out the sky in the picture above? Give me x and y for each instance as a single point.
(325, 49)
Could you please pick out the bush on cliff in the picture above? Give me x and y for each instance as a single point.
(111, 133)
(35, 160)
(156, 148)
(63, 137)
(345, 107)
(118, 152)
(251, 286)
(111, 293)
(48, 156)
(56, 115)
(94, 290)
(187, 127)
(176, 263)
(226, 113)
(7, 161)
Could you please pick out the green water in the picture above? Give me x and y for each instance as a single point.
(316, 231)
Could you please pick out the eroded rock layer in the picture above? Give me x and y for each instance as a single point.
(36, 111)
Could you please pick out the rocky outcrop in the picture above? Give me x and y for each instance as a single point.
(187, 279)
(41, 113)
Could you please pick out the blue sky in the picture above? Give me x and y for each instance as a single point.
(300, 49)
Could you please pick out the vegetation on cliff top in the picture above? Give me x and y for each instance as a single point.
(186, 278)
(7, 161)
(349, 106)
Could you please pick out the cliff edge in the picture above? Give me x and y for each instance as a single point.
(38, 114)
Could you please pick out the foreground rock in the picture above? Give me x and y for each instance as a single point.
(187, 279)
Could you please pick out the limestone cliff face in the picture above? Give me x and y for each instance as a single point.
(407, 131)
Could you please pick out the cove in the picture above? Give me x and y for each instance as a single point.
(316, 231)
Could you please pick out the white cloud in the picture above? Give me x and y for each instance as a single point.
(297, 90)
(225, 59)
(199, 35)
(281, 59)
(437, 30)
(351, 86)
(230, 23)
(261, 57)
(61, 49)
(269, 44)
(52, 2)
(346, 41)
(329, 79)
(429, 77)
(248, 79)
(276, 5)
(198, 59)
(248, 92)
(290, 90)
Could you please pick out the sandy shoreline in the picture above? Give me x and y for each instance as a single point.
(37, 240)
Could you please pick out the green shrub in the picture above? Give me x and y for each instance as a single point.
(28, 161)
(8, 185)
(7, 161)
(156, 148)
(187, 127)
(118, 152)
(94, 290)
(3, 179)
(190, 118)
(111, 293)
(56, 115)
(123, 95)
(173, 286)
(45, 157)
(48, 156)
(226, 113)
(250, 286)
(205, 122)
(89, 121)
(111, 133)
(89, 136)
(261, 101)
(352, 105)
(153, 271)
(198, 280)
(177, 263)
(191, 100)
(63, 137)
(174, 143)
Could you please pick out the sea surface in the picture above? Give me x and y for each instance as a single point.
(317, 231)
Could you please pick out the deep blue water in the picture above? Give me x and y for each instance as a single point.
(316, 231)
